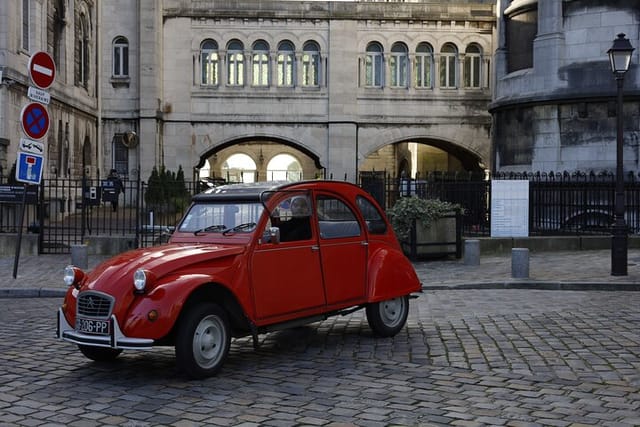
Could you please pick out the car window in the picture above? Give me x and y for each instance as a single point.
(372, 216)
(293, 217)
(335, 218)
(218, 217)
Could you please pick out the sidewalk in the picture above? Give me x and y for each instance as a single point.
(41, 275)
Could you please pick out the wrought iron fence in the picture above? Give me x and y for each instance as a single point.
(559, 203)
(64, 212)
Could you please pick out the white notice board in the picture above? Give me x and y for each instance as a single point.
(510, 208)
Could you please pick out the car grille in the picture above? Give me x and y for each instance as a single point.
(93, 304)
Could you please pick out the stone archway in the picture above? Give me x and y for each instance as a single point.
(421, 157)
(262, 152)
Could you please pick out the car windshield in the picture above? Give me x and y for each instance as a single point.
(222, 217)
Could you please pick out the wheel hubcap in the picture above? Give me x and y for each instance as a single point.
(208, 341)
(391, 311)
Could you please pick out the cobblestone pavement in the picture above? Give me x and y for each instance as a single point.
(468, 357)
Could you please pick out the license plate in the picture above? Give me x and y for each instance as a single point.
(92, 326)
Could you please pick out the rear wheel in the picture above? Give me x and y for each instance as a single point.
(203, 340)
(99, 354)
(387, 318)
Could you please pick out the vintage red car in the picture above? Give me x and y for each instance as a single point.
(245, 259)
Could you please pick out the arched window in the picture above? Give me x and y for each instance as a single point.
(284, 167)
(399, 63)
(448, 68)
(210, 62)
(286, 64)
(120, 57)
(472, 66)
(260, 62)
(310, 64)
(239, 167)
(235, 63)
(373, 65)
(424, 66)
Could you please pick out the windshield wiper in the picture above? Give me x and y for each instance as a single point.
(217, 227)
(240, 227)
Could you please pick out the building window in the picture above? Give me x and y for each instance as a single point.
(310, 64)
(286, 64)
(424, 66)
(209, 61)
(120, 57)
(373, 65)
(25, 24)
(235, 63)
(260, 63)
(82, 51)
(472, 61)
(448, 61)
(399, 62)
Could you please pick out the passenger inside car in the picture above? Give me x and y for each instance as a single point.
(298, 226)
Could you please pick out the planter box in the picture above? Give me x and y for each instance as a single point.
(443, 238)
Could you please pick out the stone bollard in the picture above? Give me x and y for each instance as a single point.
(80, 256)
(472, 252)
(520, 263)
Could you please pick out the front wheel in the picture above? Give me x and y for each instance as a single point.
(99, 354)
(203, 340)
(387, 318)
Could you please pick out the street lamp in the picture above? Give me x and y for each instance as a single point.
(620, 58)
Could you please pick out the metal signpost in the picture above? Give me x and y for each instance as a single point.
(35, 124)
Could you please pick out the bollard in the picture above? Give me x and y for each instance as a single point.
(80, 256)
(520, 263)
(472, 252)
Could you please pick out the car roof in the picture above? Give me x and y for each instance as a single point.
(251, 192)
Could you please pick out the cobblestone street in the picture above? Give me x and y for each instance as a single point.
(466, 357)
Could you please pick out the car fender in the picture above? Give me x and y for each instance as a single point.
(390, 275)
(167, 299)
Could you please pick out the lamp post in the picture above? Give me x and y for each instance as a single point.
(620, 58)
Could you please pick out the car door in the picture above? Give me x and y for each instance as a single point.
(343, 248)
(286, 275)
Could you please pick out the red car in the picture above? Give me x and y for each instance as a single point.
(245, 259)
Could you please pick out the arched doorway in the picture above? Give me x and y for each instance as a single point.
(239, 167)
(284, 167)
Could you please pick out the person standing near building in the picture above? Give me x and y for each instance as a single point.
(117, 188)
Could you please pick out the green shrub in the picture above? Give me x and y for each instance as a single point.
(409, 209)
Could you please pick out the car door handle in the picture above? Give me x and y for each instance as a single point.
(364, 243)
(315, 248)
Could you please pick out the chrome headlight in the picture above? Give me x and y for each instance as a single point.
(139, 280)
(72, 276)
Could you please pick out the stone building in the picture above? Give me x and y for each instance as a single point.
(255, 89)
(554, 100)
(68, 30)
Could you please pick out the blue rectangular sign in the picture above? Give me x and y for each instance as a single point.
(29, 168)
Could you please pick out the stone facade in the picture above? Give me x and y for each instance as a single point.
(143, 100)
(554, 99)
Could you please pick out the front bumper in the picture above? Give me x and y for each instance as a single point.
(115, 339)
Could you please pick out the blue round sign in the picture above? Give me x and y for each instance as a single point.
(35, 120)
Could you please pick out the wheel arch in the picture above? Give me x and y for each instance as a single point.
(390, 275)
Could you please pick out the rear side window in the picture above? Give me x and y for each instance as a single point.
(372, 216)
(336, 219)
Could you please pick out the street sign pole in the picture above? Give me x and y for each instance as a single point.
(19, 242)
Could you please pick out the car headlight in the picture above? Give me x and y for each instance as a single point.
(140, 280)
(72, 276)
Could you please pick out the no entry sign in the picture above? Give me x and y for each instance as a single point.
(42, 69)
(35, 120)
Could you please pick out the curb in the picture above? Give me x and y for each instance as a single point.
(547, 286)
(32, 293)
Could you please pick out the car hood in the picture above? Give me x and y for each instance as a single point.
(115, 275)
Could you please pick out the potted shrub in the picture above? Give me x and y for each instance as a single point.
(427, 226)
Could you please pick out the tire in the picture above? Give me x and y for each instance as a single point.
(203, 340)
(99, 354)
(387, 318)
